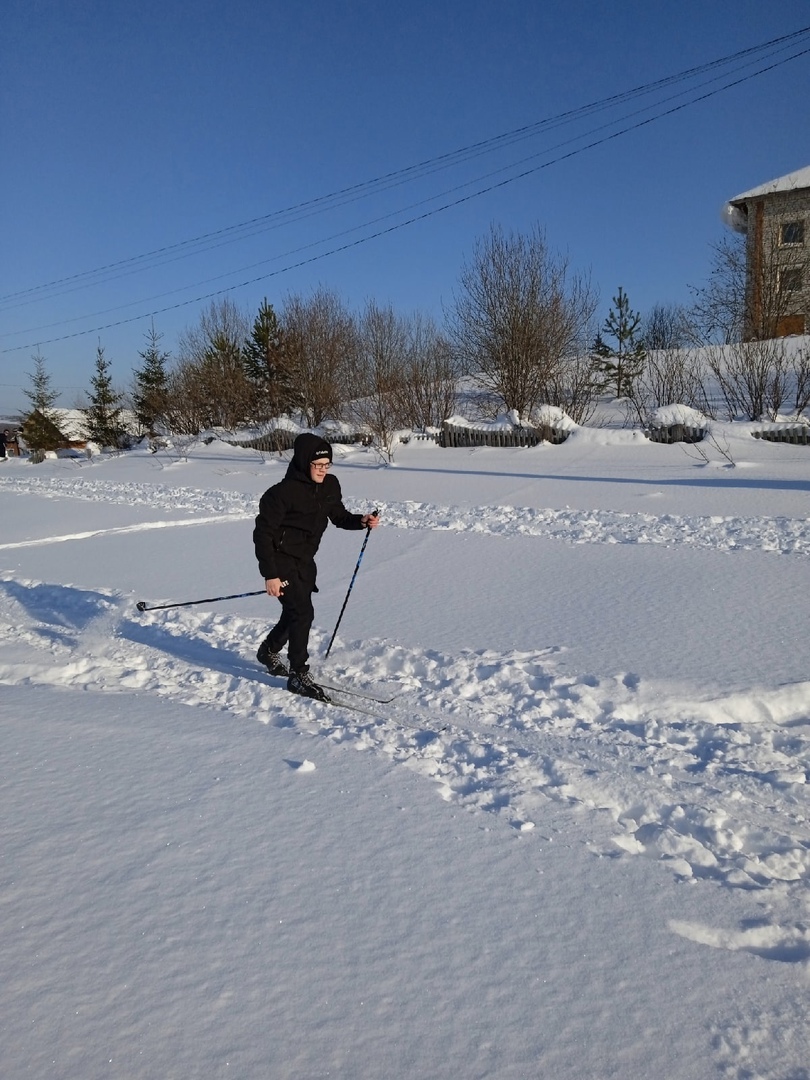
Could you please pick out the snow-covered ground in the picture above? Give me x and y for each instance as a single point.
(575, 844)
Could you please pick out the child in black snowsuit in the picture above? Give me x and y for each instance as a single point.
(293, 516)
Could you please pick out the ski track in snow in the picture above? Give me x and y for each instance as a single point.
(781, 535)
(711, 789)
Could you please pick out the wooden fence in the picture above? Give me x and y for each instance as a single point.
(676, 433)
(274, 442)
(452, 436)
(798, 434)
(462, 436)
(271, 443)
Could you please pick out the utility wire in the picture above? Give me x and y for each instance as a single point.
(401, 210)
(320, 206)
(415, 218)
(233, 233)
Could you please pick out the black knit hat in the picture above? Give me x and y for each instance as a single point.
(322, 450)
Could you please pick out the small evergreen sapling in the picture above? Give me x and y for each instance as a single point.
(620, 363)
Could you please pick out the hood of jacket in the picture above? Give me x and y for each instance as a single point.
(306, 448)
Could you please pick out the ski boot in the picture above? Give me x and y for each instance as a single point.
(301, 682)
(271, 660)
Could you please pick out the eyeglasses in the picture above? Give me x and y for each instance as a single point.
(322, 466)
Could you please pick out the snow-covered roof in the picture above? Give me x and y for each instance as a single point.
(71, 422)
(792, 182)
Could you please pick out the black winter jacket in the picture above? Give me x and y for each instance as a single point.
(293, 516)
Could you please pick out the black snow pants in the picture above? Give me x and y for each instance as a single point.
(297, 616)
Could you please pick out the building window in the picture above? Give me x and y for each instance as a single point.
(791, 232)
(791, 281)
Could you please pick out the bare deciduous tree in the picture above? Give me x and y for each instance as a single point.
(518, 314)
(738, 305)
(429, 390)
(221, 322)
(209, 386)
(666, 327)
(672, 377)
(801, 372)
(718, 310)
(403, 376)
(743, 308)
(571, 388)
(378, 375)
(753, 376)
(186, 409)
(320, 340)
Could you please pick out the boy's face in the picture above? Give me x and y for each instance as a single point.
(319, 468)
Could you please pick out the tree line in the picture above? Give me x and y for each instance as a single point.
(521, 323)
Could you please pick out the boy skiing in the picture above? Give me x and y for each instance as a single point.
(293, 516)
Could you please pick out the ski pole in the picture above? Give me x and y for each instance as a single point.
(351, 586)
(143, 606)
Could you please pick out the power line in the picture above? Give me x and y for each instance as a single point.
(321, 204)
(414, 219)
(401, 210)
(428, 213)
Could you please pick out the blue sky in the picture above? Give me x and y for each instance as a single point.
(134, 128)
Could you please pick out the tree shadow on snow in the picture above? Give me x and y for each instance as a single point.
(721, 481)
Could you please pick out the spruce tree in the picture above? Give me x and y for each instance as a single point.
(265, 362)
(41, 395)
(39, 429)
(104, 424)
(151, 382)
(619, 363)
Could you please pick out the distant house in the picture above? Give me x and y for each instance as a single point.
(45, 432)
(775, 218)
(72, 423)
(64, 429)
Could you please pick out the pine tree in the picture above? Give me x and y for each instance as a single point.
(104, 425)
(620, 364)
(39, 429)
(265, 362)
(151, 382)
